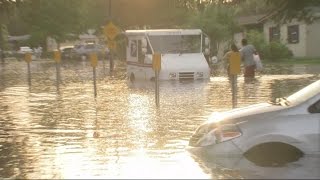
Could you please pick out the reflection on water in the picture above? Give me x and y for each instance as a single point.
(68, 133)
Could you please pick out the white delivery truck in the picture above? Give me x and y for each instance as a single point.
(182, 54)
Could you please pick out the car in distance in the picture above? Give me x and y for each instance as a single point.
(24, 49)
(68, 52)
(277, 127)
(84, 50)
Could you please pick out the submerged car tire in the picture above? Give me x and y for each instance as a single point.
(273, 154)
(132, 78)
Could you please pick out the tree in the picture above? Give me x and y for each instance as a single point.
(6, 7)
(217, 20)
(286, 10)
(56, 18)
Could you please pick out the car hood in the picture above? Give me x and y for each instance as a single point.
(263, 109)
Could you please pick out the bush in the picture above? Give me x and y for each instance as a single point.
(272, 51)
(257, 39)
(277, 50)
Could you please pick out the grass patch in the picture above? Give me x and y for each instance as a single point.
(294, 61)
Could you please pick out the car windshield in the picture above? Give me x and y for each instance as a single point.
(176, 43)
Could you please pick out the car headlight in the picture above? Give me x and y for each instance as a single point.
(199, 74)
(213, 134)
(172, 75)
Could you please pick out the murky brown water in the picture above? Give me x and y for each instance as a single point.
(50, 132)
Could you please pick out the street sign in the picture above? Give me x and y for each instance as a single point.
(112, 45)
(28, 57)
(57, 56)
(235, 61)
(93, 59)
(111, 31)
(156, 61)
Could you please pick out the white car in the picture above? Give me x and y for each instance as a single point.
(292, 122)
(25, 49)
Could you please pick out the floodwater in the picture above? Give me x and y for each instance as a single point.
(49, 131)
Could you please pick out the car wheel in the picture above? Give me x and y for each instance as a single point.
(273, 154)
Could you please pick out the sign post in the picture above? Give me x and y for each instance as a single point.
(234, 70)
(57, 59)
(28, 59)
(156, 66)
(111, 31)
(94, 63)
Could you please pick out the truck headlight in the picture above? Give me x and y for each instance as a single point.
(199, 74)
(172, 75)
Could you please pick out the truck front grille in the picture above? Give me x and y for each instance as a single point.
(186, 75)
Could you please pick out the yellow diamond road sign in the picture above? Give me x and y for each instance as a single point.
(111, 31)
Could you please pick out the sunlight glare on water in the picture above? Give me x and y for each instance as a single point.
(64, 132)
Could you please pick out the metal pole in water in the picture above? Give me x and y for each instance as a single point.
(94, 63)
(57, 74)
(157, 88)
(29, 74)
(156, 66)
(94, 82)
(57, 58)
(234, 90)
(111, 63)
(28, 59)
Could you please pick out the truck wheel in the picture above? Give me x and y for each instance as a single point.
(132, 78)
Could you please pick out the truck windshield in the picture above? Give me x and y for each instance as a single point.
(176, 44)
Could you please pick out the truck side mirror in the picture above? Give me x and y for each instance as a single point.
(144, 43)
(206, 41)
(144, 50)
(206, 51)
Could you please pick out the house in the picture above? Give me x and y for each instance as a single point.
(301, 38)
(248, 23)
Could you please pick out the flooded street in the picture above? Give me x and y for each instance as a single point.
(64, 132)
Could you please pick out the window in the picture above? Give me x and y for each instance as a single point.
(274, 34)
(133, 48)
(293, 34)
(176, 44)
(315, 108)
(140, 54)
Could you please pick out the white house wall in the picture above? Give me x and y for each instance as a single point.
(313, 39)
(298, 49)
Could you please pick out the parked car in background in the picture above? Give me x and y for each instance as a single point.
(84, 50)
(24, 49)
(290, 124)
(68, 52)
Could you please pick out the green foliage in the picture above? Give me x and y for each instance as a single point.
(257, 39)
(286, 10)
(217, 21)
(54, 18)
(272, 51)
(277, 50)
